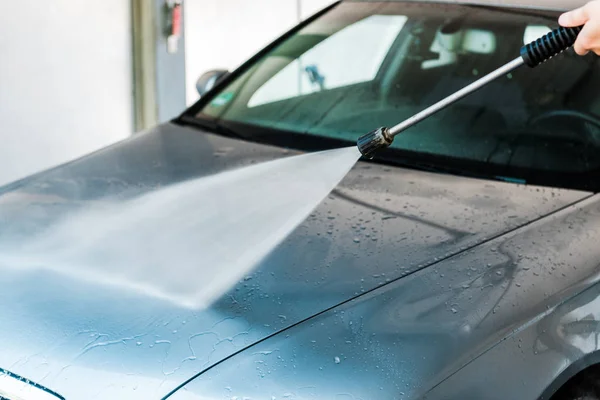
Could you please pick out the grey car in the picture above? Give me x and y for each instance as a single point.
(461, 263)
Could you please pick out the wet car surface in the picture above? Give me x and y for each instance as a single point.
(402, 283)
(476, 236)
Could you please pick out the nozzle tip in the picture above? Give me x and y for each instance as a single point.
(373, 141)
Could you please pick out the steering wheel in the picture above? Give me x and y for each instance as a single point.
(583, 136)
(580, 115)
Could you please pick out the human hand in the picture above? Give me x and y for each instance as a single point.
(589, 38)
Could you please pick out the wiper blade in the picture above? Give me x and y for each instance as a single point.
(435, 164)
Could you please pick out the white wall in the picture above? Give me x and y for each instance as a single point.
(65, 81)
(225, 33)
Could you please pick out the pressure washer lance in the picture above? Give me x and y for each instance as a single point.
(533, 54)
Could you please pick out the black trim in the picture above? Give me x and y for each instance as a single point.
(550, 15)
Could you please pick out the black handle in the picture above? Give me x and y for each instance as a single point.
(550, 45)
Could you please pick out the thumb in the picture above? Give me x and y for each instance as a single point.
(574, 18)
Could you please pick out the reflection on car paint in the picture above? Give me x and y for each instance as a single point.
(63, 329)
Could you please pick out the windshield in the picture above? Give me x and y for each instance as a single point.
(363, 65)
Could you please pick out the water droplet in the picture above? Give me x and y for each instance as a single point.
(454, 310)
(264, 353)
(356, 240)
(337, 360)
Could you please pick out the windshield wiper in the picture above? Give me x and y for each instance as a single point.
(433, 164)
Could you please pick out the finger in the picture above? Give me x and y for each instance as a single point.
(574, 18)
(580, 46)
(586, 40)
(579, 49)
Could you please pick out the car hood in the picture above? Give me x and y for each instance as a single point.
(62, 328)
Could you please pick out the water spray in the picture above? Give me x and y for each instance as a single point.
(532, 55)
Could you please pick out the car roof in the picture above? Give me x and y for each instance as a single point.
(558, 5)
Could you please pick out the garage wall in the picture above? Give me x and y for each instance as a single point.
(65, 81)
(225, 33)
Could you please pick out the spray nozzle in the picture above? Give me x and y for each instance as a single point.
(373, 141)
